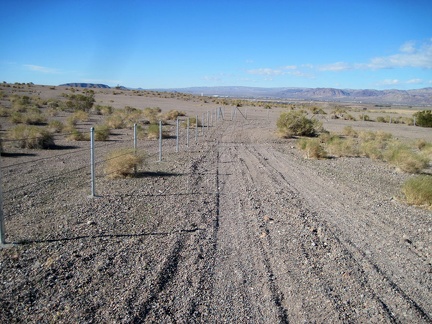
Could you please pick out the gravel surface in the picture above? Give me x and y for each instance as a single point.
(236, 228)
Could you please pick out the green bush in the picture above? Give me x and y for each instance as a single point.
(296, 123)
(418, 190)
(31, 137)
(423, 118)
(82, 102)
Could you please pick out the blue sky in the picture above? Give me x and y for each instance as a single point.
(374, 44)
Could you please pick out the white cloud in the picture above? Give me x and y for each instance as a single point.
(42, 69)
(284, 70)
(408, 47)
(390, 82)
(338, 66)
(266, 71)
(415, 81)
(408, 56)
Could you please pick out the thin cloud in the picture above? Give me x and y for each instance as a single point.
(42, 69)
(284, 70)
(338, 66)
(408, 56)
(415, 81)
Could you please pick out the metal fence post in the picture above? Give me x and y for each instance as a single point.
(2, 231)
(135, 145)
(196, 128)
(92, 163)
(160, 140)
(177, 135)
(187, 132)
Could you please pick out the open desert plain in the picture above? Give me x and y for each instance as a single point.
(229, 223)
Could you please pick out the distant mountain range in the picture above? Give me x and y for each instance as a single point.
(421, 97)
(403, 97)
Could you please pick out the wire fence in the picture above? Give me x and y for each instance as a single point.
(64, 174)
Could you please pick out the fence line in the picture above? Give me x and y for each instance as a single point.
(208, 126)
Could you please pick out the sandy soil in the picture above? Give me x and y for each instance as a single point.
(235, 228)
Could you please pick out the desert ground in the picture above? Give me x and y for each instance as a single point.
(235, 227)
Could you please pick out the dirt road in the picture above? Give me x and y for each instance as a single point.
(240, 229)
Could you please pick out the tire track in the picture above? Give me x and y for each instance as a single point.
(395, 296)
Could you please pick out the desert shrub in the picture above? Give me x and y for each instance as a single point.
(101, 132)
(312, 148)
(296, 123)
(383, 136)
(31, 137)
(102, 110)
(115, 121)
(192, 123)
(4, 112)
(151, 114)
(342, 147)
(81, 116)
(173, 114)
(20, 103)
(407, 121)
(153, 132)
(373, 149)
(76, 135)
(122, 163)
(34, 117)
(381, 119)
(405, 159)
(423, 118)
(82, 102)
(349, 131)
(16, 117)
(418, 190)
(55, 126)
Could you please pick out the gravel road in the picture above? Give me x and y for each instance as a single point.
(238, 228)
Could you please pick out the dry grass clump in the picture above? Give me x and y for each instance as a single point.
(76, 135)
(101, 132)
(173, 114)
(31, 137)
(55, 126)
(405, 159)
(123, 118)
(312, 148)
(122, 163)
(418, 191)
(152, 114)
(349, 131)
(340, 147)
(152, 132)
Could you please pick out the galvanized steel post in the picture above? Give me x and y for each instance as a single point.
(2, 232)
(160, 140)
(92, 163)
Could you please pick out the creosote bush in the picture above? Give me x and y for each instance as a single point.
(122, 163)
(296, 123)
(31, 137)
(418, 191)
